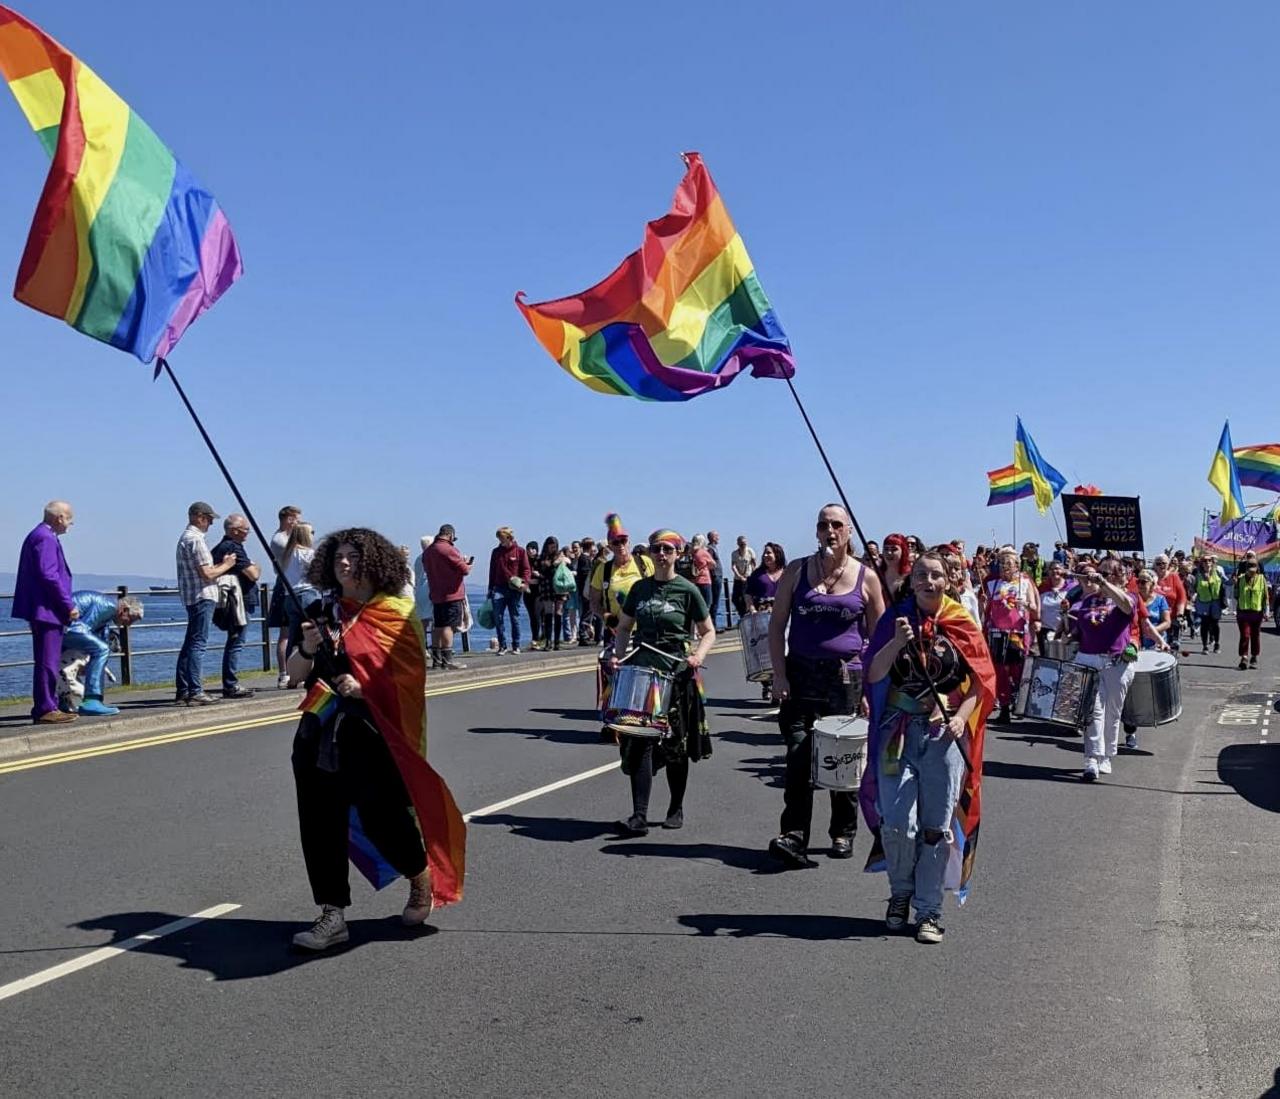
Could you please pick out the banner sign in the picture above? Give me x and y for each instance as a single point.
(1236, 537)
(1102, 522)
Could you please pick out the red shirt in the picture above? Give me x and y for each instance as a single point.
(446, 571)
(506, 563)
(1171, 588)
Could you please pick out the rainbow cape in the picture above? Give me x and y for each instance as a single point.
(126, 246)
(961, 630)
(1259, 466)
(680, 317)
(387, 652)
(1008, 484)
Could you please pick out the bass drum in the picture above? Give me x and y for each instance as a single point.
(753, 630)
(1058, 692)
(1155, 695)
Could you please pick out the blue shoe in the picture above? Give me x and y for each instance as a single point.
(96, 708)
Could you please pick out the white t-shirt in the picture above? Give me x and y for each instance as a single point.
(278, 541)
(743, 563)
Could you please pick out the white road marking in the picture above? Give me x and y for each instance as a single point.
(106, 953)
(1239, 714)
(560, 785)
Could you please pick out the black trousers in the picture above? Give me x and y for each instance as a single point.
(818, 688)
(366, 778)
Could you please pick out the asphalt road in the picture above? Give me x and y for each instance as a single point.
(1121, 939)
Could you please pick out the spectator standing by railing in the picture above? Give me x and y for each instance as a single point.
(246, 573)
(42, 597)
(277, 611)
(717, 572)
(447, 571)
(198, 589)
(743, 563)
(509, 573)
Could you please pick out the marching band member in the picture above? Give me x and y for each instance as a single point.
(1103, 620)
(1052, 594)
(610, 581)
(1013, 609)
(922, 785)
(664, 610)
(762, 584)
(825, 607)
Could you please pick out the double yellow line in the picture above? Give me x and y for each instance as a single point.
(158, 739)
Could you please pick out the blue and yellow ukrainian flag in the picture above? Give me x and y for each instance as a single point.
(1046, 480)
(1226, 479)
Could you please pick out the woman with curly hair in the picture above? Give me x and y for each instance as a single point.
(361, 742)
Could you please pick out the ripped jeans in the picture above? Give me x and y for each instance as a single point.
(920, 798)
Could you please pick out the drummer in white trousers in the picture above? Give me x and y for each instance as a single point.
(1103, 620)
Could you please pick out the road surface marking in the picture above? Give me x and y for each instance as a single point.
(1239, 714)
(106, 953)
(560, 785)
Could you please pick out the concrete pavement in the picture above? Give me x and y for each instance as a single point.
(1121, 938)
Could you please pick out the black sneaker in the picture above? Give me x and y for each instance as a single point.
(895, 917)
(842, 847)
(674, 819)
(238, 692)
(1003, 716)
(634, 825)
(1253, 663)
(790, 849)
(448, 664)
(929, 930)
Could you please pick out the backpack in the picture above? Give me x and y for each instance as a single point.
(562, 580)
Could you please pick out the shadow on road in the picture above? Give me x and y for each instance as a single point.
(756, 739)
(772, 772)
(238, 949)
(741, 925)
(568, 714)
(994, 768)
(755, 859)
(1273, 1092)
(1253, 771)
(554, 829)
(737, 704)
(556, 736)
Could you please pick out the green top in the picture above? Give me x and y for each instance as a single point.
(1251, 593)
(665, 612)
(1208, 588)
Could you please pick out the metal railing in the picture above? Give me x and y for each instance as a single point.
(128, 653)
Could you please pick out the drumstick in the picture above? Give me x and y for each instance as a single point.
(665, 656)
(938, 700)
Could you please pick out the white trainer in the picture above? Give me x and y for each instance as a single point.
(1104, 766)
(330, 929)
(1090, 773)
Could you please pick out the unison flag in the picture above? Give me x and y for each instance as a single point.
(126, 246)
(680, 317)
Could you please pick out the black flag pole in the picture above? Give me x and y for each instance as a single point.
(162, 364)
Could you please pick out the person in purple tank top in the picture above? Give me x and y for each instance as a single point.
(825, 608)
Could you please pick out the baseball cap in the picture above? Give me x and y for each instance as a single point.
(201, 508)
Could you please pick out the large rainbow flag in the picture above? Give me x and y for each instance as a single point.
(1007, 484)
(126, 246)
(1259, 466)
(680, 317)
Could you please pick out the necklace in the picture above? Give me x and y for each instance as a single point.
(828, 582)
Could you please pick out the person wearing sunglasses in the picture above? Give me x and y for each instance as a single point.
(664, 611)
(1103, 620)
(824, 610)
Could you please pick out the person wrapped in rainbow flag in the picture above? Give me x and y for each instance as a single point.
(921, 790)
(365, 789)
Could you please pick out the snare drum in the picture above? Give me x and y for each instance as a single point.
(1006, 646)
(1056, 691)
(1061, 648)
(1155, 695)
(839, 752)
(638, 702)
(753, 629)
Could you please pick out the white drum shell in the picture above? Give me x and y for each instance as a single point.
(839, 752)
(1155, 695)
(753, 630)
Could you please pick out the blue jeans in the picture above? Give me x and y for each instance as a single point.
(231, 657)
(190, 675)
(920, 798)
(507, 601)
(97, 650)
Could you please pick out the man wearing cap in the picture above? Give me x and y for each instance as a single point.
(446, 571)
(42, 598)
(1031, 565)
(198, 589)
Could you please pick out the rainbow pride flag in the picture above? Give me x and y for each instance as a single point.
(1008, 484)
(680, 317)
(126, 246)
(321, 700)
(1259, 466)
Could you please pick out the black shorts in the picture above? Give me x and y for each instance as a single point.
(446, 614)
(275, 609)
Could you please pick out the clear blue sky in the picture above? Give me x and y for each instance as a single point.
(959, 211)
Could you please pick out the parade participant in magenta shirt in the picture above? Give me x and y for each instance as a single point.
(1103, 619)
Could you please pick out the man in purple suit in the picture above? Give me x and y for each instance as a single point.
(42, 596)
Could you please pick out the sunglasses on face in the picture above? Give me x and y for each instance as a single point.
(662, 548)
(831, 524)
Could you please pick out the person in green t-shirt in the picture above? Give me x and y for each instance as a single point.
(664, 611)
